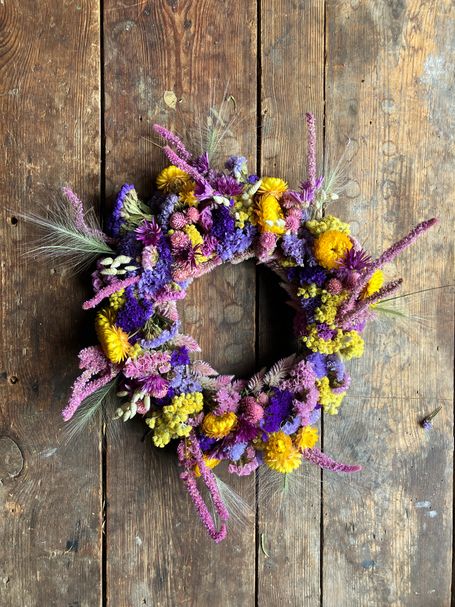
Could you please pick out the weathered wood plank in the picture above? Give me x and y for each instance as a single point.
(157, 551)
(292, 84)
(387, 532)
(50, 497)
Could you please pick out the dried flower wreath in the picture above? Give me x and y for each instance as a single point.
(201, 217)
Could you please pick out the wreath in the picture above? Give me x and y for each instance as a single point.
(201, 217)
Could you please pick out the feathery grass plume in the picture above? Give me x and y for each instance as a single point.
(239, 510)
(92, 406)
(70, 237)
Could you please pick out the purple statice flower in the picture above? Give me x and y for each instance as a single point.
(236, 242)
(153, 280)
(252, 179)
(165, 336)
(225, 185)
(209, 245)
(295, 247)
(307, 275)
(315, 416)
(325, 332)
(183, 382)
(148, 232)
(180, 357)
(128, 245)
(134, 313)
(205, 442)
(227, 400)
(292, 425)
(237, 450)
(166, 210)
(223, 223)
(318, 363)
(236, 165)
(335, 367)
(116, 219)
(278, 409)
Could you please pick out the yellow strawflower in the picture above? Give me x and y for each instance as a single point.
(209, 462)
(196, 239)
(187, 195)
(273, 185)
(113, 339)
(330, 247)
(374, 284)
(172, 179)
(280, 454)
(218, 426)
(270, 215)
(306, 438)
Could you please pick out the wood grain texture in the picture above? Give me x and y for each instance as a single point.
(157, 552)
(387, 532)
(292, 46)
(49, 131)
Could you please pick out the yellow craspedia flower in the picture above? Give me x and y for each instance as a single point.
(306, 438)
(209, 462)
(218, 426)
(270, 215)
(273, 185)
(280, 454)
(374, 284)
(330, 247)
(172, 179)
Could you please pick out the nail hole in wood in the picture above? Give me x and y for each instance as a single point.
(13, 220)
(12, 379)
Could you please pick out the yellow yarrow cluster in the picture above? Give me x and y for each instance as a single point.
(170, 422)
(117, 300)
(113, 339)
(348, 343)
(280, 454)
(244, 212)
(329, 400)
(318, 226)
(218, 426)
(196, 239)
(310, 291)
(330, 247)
(327, 311)
(374, 284)
(306, 438)
(172, 180)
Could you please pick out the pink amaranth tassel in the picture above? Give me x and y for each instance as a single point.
(78, 209)
(327, 463)
(107, 291)
(171, 138)
(182, 164)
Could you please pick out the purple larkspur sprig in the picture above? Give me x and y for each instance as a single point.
(315, 456)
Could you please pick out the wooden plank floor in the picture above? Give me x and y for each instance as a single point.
(105, 521)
